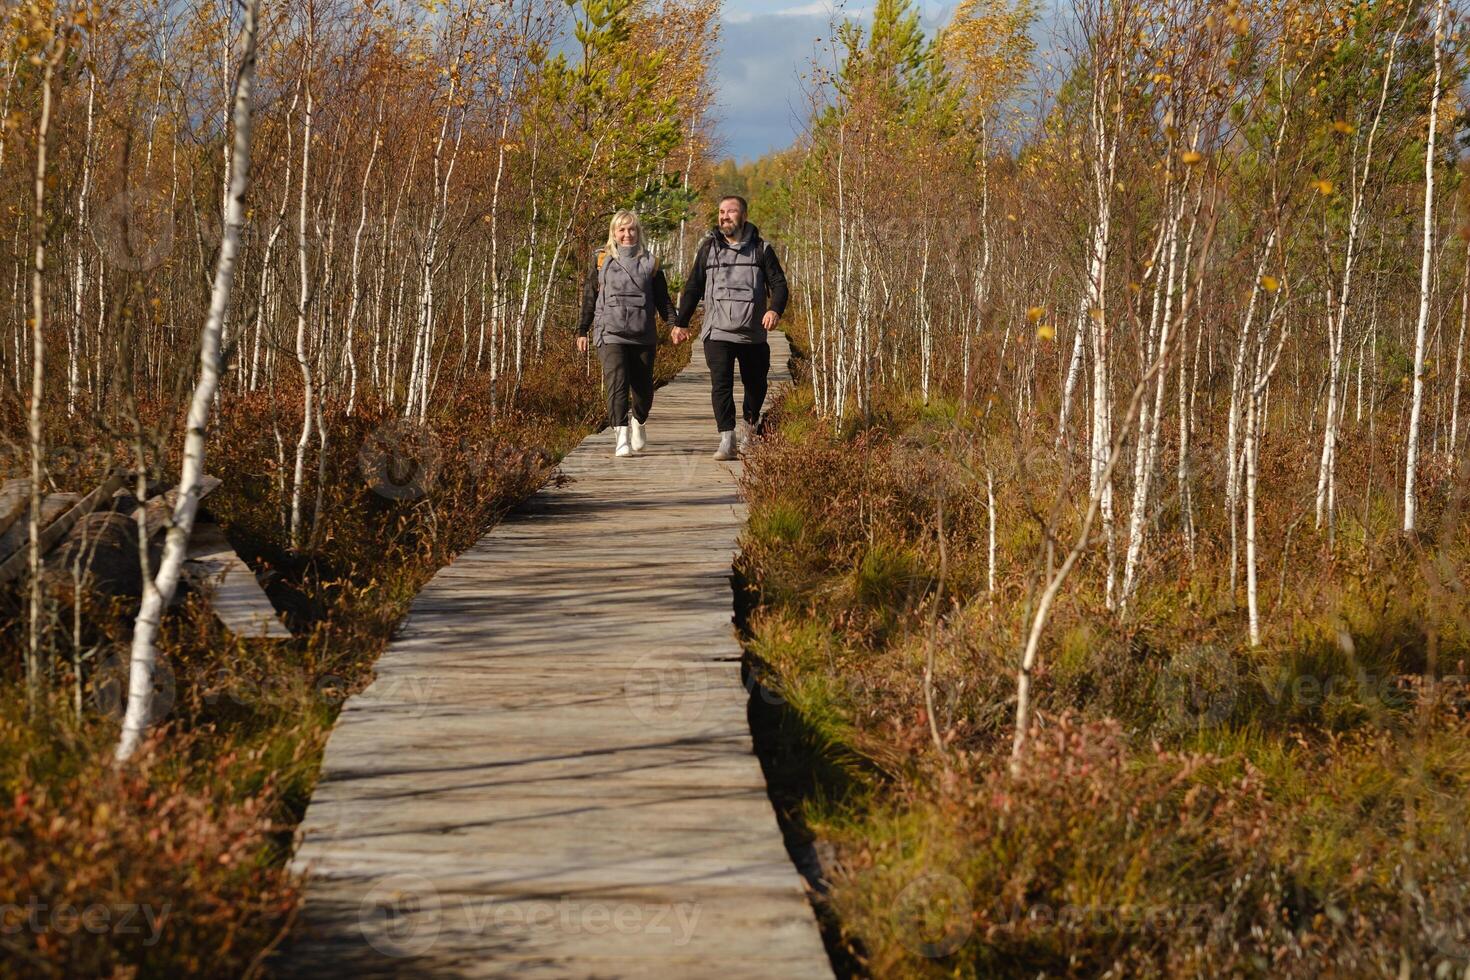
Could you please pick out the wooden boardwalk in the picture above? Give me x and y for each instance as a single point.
(552, 774)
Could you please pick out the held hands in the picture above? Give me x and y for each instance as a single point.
(582, 344)
(678, 335)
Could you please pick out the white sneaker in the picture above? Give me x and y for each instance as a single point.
(727, 446)
(744, 432)
(637, 438)
(624, 447)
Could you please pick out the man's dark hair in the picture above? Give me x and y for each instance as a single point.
(744, 207)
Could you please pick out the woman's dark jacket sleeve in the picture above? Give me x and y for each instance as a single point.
(589, 300)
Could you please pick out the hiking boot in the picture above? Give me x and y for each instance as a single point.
(636, 436)
(744, 433)
(624, 447)
(727, 445)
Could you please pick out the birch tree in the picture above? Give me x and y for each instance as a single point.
(48, 41)
(1426, 265)
(158, 590)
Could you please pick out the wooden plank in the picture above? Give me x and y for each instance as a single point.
(160, 508)
(234, 592)
(53, 505)
(56, 528)
(560, 724)
(15, 496)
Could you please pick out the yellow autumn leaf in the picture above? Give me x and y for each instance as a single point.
(1046, 332)
(1190, 157)
(1343, 126)
(1035, 313)
(1270, 283)
(1324, 186)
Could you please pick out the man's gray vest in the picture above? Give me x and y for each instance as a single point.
(735, 291)
(625, 306)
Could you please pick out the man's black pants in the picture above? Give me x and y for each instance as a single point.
(627, 369)
(755, 365)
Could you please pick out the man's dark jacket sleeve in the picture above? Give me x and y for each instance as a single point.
(693, 290)
(662, 303)
(775, 281)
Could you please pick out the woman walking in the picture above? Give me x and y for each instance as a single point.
(624, 288)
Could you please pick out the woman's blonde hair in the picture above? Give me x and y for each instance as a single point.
(619, 219)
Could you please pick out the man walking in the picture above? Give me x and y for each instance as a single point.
(737, 274)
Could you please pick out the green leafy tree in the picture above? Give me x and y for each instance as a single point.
(612, 97)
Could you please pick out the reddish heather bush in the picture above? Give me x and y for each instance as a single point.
(195, 835)
(1188, 805)
(109, 872)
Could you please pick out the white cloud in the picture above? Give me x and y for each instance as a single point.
(767, 45)
(817, 8)
(760, 102)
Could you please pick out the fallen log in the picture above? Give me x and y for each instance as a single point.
(160, 508)
(102, 550)
(101, 555)
(58, 525)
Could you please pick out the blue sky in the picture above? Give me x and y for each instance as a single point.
(765, 48)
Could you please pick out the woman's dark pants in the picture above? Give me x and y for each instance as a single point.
(627, 369)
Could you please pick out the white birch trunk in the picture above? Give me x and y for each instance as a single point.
(78, 287)
(159, 590)
(990, 515)
(1337, 316)
(1425, 268)
(303, 354)
(1454, 444)
(35, 665)
(356, 288)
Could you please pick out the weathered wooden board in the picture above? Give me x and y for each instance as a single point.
(101, 541)
(234, 592)
(552, 774)
(15, 495)
(53, 505)
(60, 512)
(159, 509)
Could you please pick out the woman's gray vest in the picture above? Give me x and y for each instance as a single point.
(625, 306)
(735, 291)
